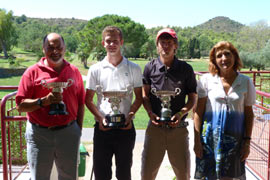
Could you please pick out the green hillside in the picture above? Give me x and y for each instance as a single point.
(221, 24)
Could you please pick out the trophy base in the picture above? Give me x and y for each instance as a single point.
(115, 121)
(165, 115)
(165, 119)
(58, 109)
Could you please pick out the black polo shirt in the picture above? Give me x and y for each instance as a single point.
(179, 75)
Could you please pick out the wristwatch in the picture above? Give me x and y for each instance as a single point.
(39, 102)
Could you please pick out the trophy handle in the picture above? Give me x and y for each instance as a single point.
(177, 91)
(70, 82)
(153, 91)
(44, 83)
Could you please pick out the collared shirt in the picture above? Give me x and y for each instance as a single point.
(179, 75)
(241, 94)
(30, 87)
(116, 78)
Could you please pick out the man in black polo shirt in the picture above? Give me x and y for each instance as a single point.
(167, 73)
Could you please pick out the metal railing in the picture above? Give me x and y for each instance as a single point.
(258, 160)
(9, 116)
(254, 75)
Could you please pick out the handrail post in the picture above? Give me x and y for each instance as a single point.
(4, 143)
(254, 78)
(268, 162)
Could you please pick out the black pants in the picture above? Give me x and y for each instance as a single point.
(113, 142)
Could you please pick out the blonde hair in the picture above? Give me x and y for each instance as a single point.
(213, 68)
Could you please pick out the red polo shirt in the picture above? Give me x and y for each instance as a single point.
(31, 88)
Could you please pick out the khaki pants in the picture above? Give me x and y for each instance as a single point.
(157, 141)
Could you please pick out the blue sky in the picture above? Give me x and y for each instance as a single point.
(151, 13)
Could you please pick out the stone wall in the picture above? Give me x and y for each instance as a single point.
(4, 73)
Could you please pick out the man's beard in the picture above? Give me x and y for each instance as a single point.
(56, 60)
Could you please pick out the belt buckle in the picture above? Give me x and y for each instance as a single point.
(167, 126)
(52, 127)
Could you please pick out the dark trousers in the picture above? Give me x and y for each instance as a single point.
(113, 142)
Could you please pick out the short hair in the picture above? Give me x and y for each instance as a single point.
(112, 29)
(213, 68)
(46, 37)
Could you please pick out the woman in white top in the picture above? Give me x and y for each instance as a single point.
(224, 117)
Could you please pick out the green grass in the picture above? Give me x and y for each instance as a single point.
(141, 118)
(23, 58)
(28, 59)
(5, 92)
(198, 65)
(10, 81)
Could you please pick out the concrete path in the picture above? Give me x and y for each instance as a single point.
(165, 171)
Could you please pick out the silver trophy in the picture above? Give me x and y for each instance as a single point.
(165, 97)
(59, 108)
(115, 119)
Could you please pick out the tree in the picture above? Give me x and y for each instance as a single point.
(148, 49)
(87, 42)
(21, 19)
(265, 54)
(8, 36)
(253, 60)
(206, 44)
(182, 50)
(71, 42)
(253, 38)
(31, 37)
(254, 45)
(90, 37)
(193, 48)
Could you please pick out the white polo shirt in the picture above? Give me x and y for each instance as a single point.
(111, 77)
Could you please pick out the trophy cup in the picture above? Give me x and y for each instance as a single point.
(60, 108)
(115, 119)
(165, 97)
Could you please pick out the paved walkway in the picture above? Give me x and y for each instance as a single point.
(165, 171)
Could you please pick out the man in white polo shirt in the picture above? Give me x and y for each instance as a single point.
(114, 72)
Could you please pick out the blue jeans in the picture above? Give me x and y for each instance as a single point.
(113, 142)
(45, 146)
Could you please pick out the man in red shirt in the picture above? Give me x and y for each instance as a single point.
(52, 137)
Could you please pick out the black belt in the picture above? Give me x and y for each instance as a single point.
(53, 127)
(182, 124)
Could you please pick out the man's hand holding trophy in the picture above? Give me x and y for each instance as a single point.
(115, 119)
(166, 112)
(57, 108)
